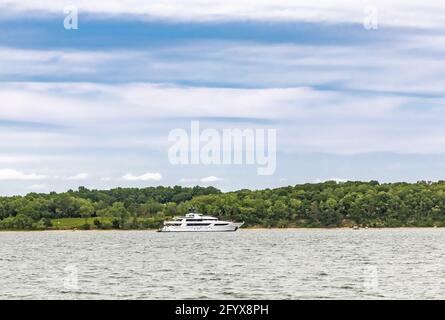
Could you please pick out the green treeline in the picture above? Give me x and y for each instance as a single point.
(327, 204)
(120, 208)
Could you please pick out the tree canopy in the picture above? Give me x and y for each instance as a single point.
(328, 204)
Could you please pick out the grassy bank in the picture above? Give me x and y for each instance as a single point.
(102, 223)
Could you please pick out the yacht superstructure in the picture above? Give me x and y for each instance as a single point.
(196, 222)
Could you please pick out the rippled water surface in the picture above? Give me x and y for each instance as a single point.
(248, 264)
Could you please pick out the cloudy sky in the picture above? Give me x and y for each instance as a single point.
(94, 106)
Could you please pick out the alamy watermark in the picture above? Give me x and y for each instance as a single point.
(249, 146)
(71, 278)
(71, 21)
(370, 278)
(371, 21)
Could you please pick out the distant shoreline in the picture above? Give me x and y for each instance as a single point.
(242, 229)
(327, 205)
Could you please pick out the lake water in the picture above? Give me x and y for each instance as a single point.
(247, 264)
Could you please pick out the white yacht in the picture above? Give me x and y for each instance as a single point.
(195, 222)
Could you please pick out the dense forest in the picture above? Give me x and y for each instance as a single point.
(328, 204)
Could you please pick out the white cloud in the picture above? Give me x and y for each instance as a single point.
(342, 118)
(397, 12)
(338, 180)
(155, 176)
(235, 63)
(80, 176)
(208, 179)
(188, 180)
(148, 101)
(211, 179)
(336, 121)
(18, 62)
(11, 174)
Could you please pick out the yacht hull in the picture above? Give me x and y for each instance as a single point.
(231, 227)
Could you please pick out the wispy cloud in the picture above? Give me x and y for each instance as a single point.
(11, 174)
(397, 12)
(338, 180)
(188, 180)
(325, 66)
(210, 179)
(308, 69)
(335, 121)
(149, 176)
